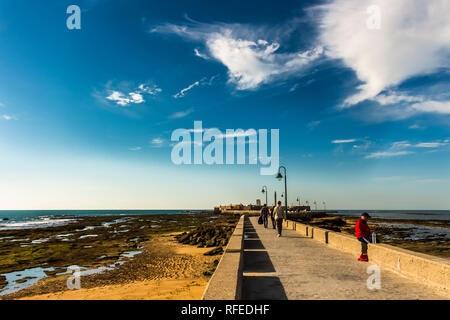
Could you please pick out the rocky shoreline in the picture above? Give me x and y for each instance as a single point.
(101, 242)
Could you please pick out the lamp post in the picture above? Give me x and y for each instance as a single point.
(279, 177)
(324, 206)
(264, 190)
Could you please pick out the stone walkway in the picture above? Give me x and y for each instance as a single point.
(295, 267)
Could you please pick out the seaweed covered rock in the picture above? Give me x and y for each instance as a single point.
(208, 235)
(3, 282)
(213, 252)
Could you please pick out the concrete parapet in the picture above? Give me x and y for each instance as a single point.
(427, 269)
(423, 268)
(320, 234)
(226, 282)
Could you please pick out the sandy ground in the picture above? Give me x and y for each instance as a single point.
(140, 290)
(173, 271)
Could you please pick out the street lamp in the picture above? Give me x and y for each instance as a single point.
(264, 191)
(280, 177)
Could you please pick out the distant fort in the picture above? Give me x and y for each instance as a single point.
(254, 208)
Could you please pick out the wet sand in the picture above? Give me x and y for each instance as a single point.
(176, 274)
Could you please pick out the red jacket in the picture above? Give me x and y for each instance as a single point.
(362, 229)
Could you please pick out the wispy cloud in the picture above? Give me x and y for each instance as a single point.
(157, 142)
(6, 117)
(411, 105)
(202, 82)
(431, 144)
(400, 148)
(344, 141)
(152, 90)
(183, 91)
(415, 127)
(200, 55)
(181, 114)
(251, 57)
(387, 154)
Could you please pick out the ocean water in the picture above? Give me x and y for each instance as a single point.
(29, 219)
(400, 214)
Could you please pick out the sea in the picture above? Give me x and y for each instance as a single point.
(29, 219)
(399, 214)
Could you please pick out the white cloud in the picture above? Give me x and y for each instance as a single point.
(413, 39)
(387, 154)
(400, 148)
(393, 98)
(344, 141)
(183, 91)
(411, 105)
(442, 107)
(200, 55)
(430, 144)
(6, 117)
(252, 63)
(250, 59)
(400, 145)
(415, 127)
(136, 97)
(202, 82)
(181, 114)
(153, 90)
(124, 100)
(133, 97)
(157, 142)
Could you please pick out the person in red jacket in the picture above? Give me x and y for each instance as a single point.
(362, 233)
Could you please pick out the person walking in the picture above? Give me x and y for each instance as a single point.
(265, 215)
(279, 213)
(362, 233)
(272, 217)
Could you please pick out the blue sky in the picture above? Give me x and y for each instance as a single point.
(86, 115)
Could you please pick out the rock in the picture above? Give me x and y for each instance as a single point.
(24, 279)
(213, 252)
(3, 282)
(210, 243)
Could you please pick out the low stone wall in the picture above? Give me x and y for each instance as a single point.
(226, 282)
(429, 270)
